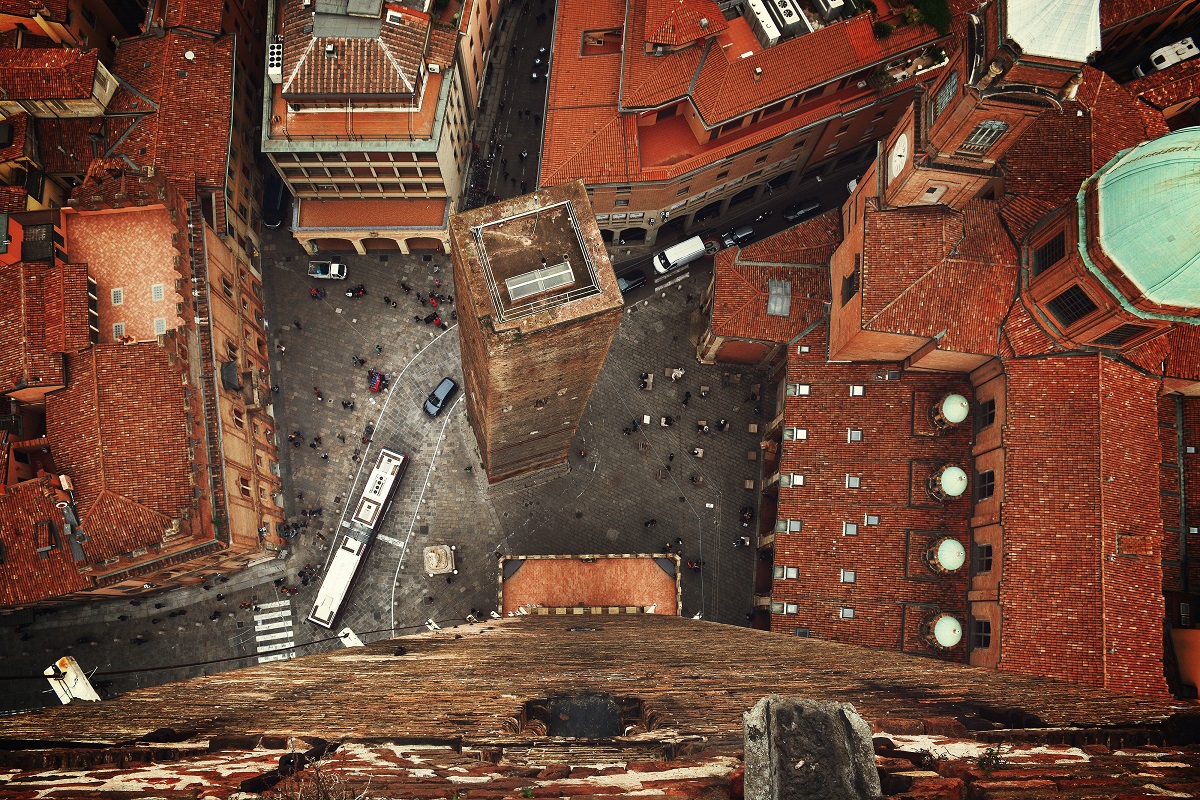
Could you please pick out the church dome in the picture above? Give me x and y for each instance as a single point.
(1148, 201)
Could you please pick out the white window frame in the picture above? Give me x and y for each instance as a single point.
(857, 390)
(849, 529)
(849, 576)
(791, 608)
(160, 326)
(117, 296)
(854, 435)
(846, 612)
(118, 330)
(853, 481)
(795, 434)
(870, 520)
(158, 293)
(799, 390)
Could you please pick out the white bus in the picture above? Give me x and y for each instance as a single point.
(353, 543)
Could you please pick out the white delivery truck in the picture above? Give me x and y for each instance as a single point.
(677, 255)
(335, 270)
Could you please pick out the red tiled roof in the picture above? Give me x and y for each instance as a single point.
(47, 74)
(204, 15)
(68, 145)
(18, 123)
(381, 213)
(727, 87)
(1114, 12)
(1080, 474)
(932, 271)
(25, 574)
(900, 446)
(383, 65)
(677, 22)
(798, 255)
(45, 316)
(1175, 354)
(594, 143)
(1062, 148)
(1023, 336)
(13, 198)
(119, 430)
(186, 118)
(606, 581)
(1168, 87)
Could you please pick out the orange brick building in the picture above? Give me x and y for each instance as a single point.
(688, 111)
(140, 449)
(1010, 247)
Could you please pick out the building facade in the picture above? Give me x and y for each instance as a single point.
(694, 110)
(367, 116)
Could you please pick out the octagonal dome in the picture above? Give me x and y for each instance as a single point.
(1148, 201)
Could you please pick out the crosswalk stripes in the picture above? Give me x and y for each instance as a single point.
(273, 631)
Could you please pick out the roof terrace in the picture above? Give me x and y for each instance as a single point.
(535, 260)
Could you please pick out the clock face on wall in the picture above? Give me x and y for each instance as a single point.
(899, 157)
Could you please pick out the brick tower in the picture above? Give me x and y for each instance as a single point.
(538, 306)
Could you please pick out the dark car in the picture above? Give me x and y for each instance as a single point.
(440, 396)
(801, 211)
(630, 281)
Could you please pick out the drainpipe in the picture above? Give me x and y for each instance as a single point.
(1180, 451)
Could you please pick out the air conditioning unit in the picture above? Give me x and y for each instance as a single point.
(275, 62)
(307, 3)
(434, 69)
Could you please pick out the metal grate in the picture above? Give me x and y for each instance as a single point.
(1071, 306)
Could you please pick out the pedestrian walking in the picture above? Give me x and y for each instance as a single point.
(341, 438)
(524, 154)
(324, 456)
(387, 301)
(220, 597)
(296, 322)
(393, 304)
(378, 349)
(651, 523)
(280, 347)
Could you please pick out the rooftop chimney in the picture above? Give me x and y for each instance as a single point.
(758, 73)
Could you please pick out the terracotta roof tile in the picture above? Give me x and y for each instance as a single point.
(202, 14)
(649, 80)
(119, 430)
(1179, 348)
(727, 87)
(594, 143)
(1062, 148)
(18, 124)
(676, 22)
(47, 74)
(26, 575)
(798, 255)
(386, 64)
(607, 581)
(181, 116)
(1114, 12)
(935, 272)
(69, 145)
(13, 199)
(1081, 470)
(1023, 336)
(50, 318)
(1165, 88)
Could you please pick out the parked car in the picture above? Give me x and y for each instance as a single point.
(738, 236)
(331, 270)
(630, 281)
(440, 396)
(1164, 57)
(802, 211)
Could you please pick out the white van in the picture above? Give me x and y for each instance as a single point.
(677, 255)
(1164, 57)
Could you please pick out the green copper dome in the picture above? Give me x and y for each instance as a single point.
(1149, 210)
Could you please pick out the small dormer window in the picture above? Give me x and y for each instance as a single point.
(394, 17)
(854, 435)
(1048, 254)
(1071, 306)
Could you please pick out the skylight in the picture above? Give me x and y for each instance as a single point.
(779, 301)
